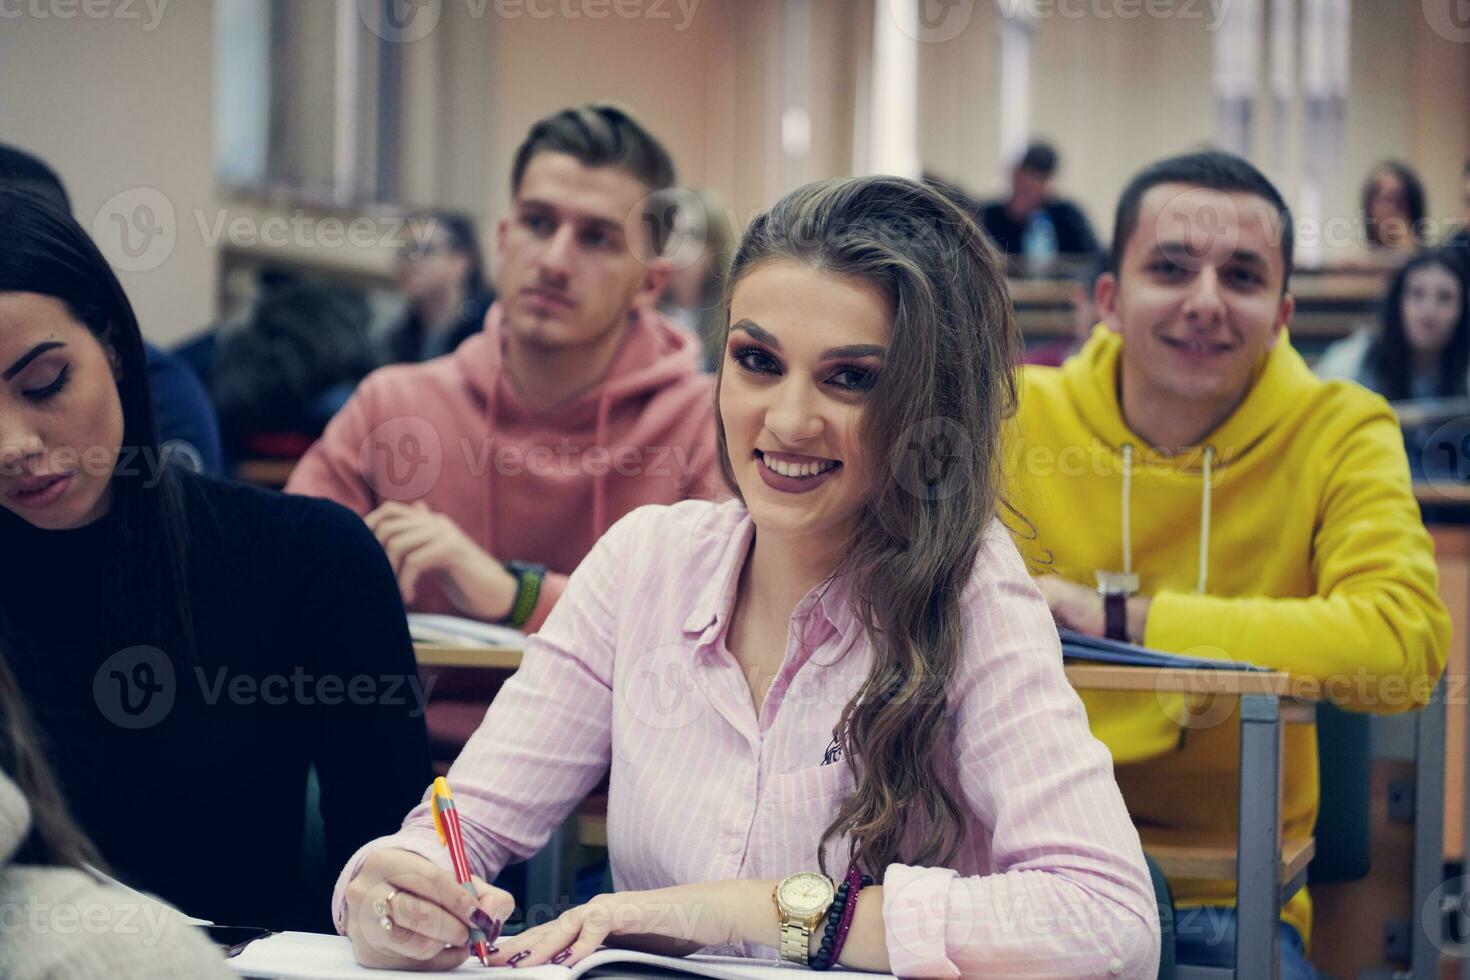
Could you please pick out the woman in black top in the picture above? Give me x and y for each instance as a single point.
(189, 648)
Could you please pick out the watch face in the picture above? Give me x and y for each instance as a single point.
(806, 893)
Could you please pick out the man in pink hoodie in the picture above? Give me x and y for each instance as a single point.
(576, 404)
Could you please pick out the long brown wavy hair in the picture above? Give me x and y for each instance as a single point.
(935, 417)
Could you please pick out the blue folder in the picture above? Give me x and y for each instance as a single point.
(1079, 646)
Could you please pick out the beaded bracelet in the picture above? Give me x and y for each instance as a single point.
(839, 919)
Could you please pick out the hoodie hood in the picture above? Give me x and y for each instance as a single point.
(1092, 380)
(653, 355)
(1277, 389)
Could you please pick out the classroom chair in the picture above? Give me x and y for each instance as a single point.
(1164, 896)
(1344, 762)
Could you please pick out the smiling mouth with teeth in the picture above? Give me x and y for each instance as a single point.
(1196, 346)
(797, 470)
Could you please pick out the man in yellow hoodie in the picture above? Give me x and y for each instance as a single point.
(1251, 511)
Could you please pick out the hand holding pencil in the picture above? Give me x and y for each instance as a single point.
(406, 912)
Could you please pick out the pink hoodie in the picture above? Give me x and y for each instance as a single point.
(527, 485)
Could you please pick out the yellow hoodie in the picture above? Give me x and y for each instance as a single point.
(1290, 539)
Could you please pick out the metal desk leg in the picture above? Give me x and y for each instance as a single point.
(1464, 858)
(544, 879)
(1258, 855)
(1429, 735)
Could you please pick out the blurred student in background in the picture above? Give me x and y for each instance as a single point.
(487, 475)
(184, 644)
(1083, 302)
(186, 419)
(1032, 222)
(1393, 208)
(692, 299)
(443, 280)
(1421, 348)
(1460, 239)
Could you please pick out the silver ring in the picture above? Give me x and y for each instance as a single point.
(383, 909)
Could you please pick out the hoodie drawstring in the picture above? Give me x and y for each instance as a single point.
(1204, 516)
(1127, 495)
(1204, 524)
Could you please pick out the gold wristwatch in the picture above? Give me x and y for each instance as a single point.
(802, 901)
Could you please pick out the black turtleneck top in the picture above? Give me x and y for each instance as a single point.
(189, 771)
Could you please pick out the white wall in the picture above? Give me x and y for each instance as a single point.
(122, 107)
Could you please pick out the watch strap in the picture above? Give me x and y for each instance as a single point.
(1115, 616)
(528, 592)
(796, 940)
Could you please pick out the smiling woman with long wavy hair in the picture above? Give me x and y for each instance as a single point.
(845, 671)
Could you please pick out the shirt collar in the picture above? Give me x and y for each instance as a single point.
(716, 599)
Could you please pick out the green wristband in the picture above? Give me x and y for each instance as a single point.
(528, 591)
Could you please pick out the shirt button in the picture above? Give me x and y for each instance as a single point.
(1115, 967)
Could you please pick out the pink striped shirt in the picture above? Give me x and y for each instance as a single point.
(631, 672)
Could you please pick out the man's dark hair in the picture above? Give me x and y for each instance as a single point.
(1039, 158)
(599, 134)
(26, 172)
(1212, 169)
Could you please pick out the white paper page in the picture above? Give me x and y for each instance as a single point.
(458, 631)
(627, 963)
(313, 956)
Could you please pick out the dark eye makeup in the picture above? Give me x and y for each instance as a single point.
(51, 390)
(758, 360)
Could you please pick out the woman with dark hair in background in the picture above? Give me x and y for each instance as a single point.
(189, 648)
(1422, 347)
(879, 682)
(443, 277)
(1393, 207)
(45, 863)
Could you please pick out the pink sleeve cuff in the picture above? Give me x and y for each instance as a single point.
(916, 918)
(412, 839)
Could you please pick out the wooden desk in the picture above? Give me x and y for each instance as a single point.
(1328, 304)
(1442, 492)
(489, 658)
(271, 473)
(1265, 871)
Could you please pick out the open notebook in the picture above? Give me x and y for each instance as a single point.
(310, 956)
(455, 631)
